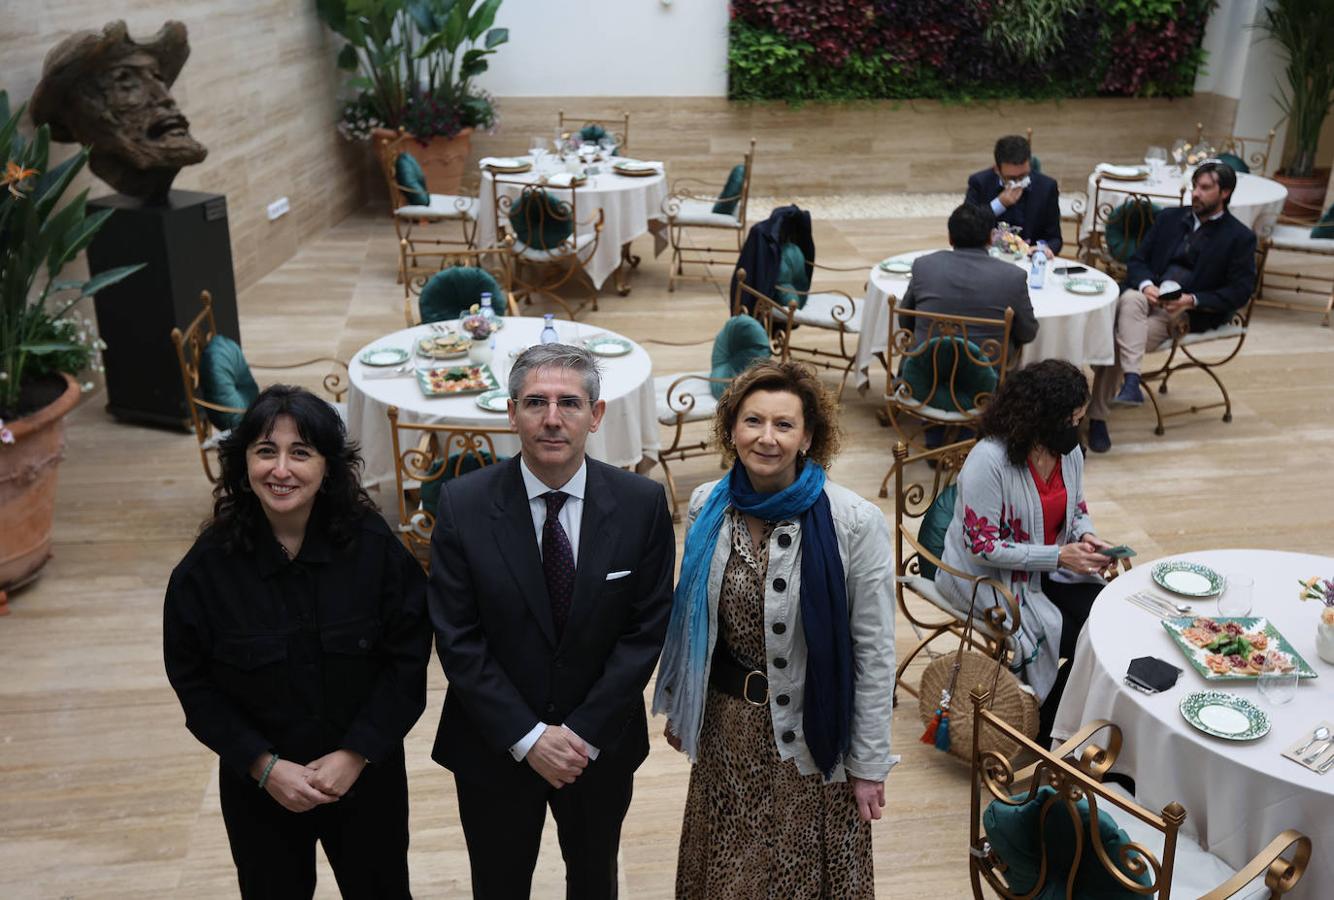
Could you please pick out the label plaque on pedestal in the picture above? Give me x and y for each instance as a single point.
(186, 249)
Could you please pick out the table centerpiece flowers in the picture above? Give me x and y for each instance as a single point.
(1322, 591)
(1006, 242)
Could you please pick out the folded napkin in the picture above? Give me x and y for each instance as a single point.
(564, 179)
(1152, 673)
(505, 162)
(1113, 169)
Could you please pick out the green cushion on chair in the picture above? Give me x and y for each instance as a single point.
(225, 379)
(970, 380)
(410, 177)
(931, 533)
(541, 221)
(1325, 227)
(795, 272)
(1236, 162)
(1035, 165)
(459, 464)
(1126, 226)
(732, 189)
(741, 342)
(1016, 834)
(450, 293)
(593, 132)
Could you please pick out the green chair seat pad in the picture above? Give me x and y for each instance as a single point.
(793, 272)
(412, 180)
(730, 196)
(1236, 162)
(593, 132)
(970, 379)
(225, 379)
(451, 292)
(1324, 229)
(1126, 226)
(741, 342)
(540, 221)
(931, 533)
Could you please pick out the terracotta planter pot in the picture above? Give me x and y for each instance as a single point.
(28, 490)
(1305, 195)
(443, 160)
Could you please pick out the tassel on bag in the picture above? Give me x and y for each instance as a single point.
(932, 728)
(943, 732)
(938, 729)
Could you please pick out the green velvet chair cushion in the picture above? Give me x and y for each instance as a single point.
(541, 221)
(732, 190)
(459, 464)
(1016, 834)
(1035, 165)
(931, 533)
(225, 379)
(450, 293)
(410, 177)
(593, 132)
(970, 380)
(741, 342)
(1126, 226)
(1236, 162)
(793, 271)
(1325, 227)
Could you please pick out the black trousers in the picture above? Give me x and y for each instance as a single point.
(1074, 602)
(502, 823)
(365, 837)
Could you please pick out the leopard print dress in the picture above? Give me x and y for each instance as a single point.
(756, 829)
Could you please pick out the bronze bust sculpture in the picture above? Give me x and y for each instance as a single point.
(112, 93)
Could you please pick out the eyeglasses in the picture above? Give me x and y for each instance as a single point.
(568, 407)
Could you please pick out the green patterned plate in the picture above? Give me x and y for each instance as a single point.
(1187, 579)
(384, 356)
(896, 266)
(605, 345)
(1249, 625)
(1086, 286)
(1224, 715)
(496, 400)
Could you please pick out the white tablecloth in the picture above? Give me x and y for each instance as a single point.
(1254, 195)
(629, 430)
(1238, 796)
(627, 203)
(1074, 327)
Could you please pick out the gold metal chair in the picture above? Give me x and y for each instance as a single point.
(1130, 213)
(544, 266)
(190, 345)
(829, 310)
(1183, 352)
(691, 206)
(617, 128)
(1253, 151)
(427, 454)
(1290, 236)
(416, 268)
(1157, 848)
(979, 346)
(443, 208)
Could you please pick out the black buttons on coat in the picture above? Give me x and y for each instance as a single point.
(789, 737)
(779, 628)
(780, 662)
(780, 585)
(783, 699)
(785, 541)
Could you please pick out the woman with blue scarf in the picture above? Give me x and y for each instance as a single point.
(777, 675)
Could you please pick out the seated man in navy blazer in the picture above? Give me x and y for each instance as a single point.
(1018, 196)
(1206, 260)
(550, 590)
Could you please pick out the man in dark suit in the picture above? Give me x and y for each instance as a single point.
(1208, 255)
(967, 281)
(1018, 196)
(551, 586)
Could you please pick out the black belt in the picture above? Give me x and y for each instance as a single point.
(736, 680)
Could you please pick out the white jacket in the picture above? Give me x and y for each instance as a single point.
(868, 569)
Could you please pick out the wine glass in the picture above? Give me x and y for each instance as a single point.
(1276, 686)
(537, 148)
(1155, 158)
(1236, 599)
(607, 143)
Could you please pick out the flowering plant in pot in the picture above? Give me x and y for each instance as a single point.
(43, 345)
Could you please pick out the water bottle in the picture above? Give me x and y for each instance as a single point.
(1037, 274)
(549, 335)
(488, 313)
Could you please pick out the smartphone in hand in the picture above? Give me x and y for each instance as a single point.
(1120, 551)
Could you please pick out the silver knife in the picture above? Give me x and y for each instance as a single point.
(1319, 750)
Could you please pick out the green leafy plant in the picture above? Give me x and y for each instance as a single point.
(1305, 31)
(37, 241)
(1030, 30)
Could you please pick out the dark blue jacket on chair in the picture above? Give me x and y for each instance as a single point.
(763, 250)
(1038, 211)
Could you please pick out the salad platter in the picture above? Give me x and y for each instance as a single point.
(454, 380)
(1235, 649)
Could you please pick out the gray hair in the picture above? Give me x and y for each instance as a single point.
(563, 356)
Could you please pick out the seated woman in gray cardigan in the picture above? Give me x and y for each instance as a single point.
(1020, 518)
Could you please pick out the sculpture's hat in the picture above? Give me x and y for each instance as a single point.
(85, 52)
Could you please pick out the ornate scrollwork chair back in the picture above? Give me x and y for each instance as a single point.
(615, 127)
(690, 205)
(416, 268)
(552, 245)
(460, 209)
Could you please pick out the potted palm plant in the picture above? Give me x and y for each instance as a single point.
(414, 63)
(1305, 31)
(42, 344)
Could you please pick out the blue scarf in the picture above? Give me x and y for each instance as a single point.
(680, 690)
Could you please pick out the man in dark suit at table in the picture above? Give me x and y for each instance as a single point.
(550, 590)
(1018, 196)
(1208, 254)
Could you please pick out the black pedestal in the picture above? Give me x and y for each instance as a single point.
(187, 249)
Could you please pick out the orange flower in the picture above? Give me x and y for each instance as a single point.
(14, 177)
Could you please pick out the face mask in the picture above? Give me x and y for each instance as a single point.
(1021, 183)
(1063, 440)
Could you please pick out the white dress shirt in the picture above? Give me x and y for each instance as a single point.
(570, 515)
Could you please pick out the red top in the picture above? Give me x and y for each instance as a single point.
(1051, 492)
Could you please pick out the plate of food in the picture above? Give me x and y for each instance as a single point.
(1187, 579)
(1086, 286)
(1235, 649)
(606, 345)
(1224, 715)
(384, 356)
(444, 346)
(496, 400)
(448, 382)
(896, 266)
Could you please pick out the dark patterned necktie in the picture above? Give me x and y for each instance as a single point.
(557, 561)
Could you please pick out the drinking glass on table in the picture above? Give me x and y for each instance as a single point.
(1155, 158)
(607, 143)
(1276, 686)
(1237, 595)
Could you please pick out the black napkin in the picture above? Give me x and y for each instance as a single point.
(1153, 673)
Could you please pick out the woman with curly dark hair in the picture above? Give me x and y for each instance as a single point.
(1020, 517)
(777, 676)
(295, 636)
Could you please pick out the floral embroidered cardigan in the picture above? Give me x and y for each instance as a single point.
(997, 513)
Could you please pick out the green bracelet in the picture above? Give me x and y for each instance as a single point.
(267, 769)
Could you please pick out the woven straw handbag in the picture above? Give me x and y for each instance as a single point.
(947, 677)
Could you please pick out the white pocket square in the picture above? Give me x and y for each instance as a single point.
(612, 576)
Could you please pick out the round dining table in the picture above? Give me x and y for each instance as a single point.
(627, 203)
(1253, 197)
(1238, 795)
(1074, 327)
(627, 435)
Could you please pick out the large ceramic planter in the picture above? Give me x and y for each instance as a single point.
(28, 490)
(443, 160)
(1305, 195)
